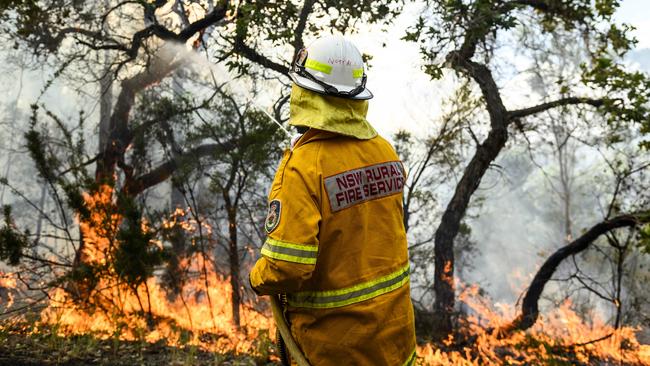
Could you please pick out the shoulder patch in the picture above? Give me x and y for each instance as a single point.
(273, 217)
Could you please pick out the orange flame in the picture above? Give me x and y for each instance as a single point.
(196, 317)
(562, 336)
(7, 280)
(200, 315)
(7, 284)
(100, 226)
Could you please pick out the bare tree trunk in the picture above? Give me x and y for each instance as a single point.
(565, 158)
(449, 225)
(13, 117)
(174, 275)
(621, 251)
(41, 206)
(106, 95)
(234, 265)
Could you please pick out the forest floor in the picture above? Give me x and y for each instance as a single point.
(23, 345)
(19, 347)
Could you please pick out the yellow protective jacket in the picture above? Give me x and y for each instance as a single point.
(336, 242)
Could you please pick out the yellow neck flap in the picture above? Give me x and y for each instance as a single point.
(329, 113)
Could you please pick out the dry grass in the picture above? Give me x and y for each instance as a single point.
(21, 345)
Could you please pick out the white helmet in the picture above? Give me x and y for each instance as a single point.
(331, 65)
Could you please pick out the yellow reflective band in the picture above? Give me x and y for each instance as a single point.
(350, 295)
(411, 360)
(357, 73)
(290, 252)
(318, 66)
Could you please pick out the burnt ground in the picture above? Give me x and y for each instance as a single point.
(22, 348)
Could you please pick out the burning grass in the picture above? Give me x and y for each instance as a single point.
(200, 316)
(189, 330)
(562, 337)
(187, 335)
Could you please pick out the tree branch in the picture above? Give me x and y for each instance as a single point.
(482, 75)
(535, 4)
(520, 113)
(165, 170)
(252, 55)
(160, 31)
(298, 43)
(216, 15)
(120, 136)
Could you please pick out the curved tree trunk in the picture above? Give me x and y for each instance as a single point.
(500, 118)
(448, 229)
(530, 306)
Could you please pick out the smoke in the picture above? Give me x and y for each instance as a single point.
(246, 90)
(518, 223)
(518, 218)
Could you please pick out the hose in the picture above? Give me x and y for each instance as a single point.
(282, 349)
(287, 338)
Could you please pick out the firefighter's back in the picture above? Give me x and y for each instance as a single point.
(355, 309)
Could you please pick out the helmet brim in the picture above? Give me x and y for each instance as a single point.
(315, 87)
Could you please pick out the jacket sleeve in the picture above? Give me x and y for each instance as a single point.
(290, 251)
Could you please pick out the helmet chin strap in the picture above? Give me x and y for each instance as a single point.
(329, 89)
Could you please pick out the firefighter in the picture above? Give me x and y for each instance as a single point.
(336, 243)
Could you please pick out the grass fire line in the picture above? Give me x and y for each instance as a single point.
(561, 337)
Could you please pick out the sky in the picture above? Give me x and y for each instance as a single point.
(637, 13)
(406, 98)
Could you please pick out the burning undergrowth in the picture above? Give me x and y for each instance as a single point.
(129, 308)
(561, 337)
(115, 288)
(196, 317)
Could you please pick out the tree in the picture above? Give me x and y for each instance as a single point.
(465, 35)
(237, 175)
(135, 47)
(431, 163)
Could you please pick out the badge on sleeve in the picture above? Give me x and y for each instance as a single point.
(273, 217)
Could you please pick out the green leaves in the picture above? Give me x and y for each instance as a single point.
(12, 241)
(644, 238)
(628, 92)
(617, 39)
(136, 255)
(606, 8)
